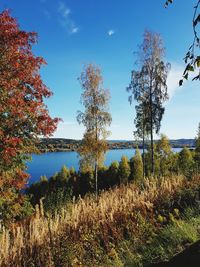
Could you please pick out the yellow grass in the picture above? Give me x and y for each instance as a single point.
(34, 242)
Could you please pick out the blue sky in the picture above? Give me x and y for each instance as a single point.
(107, 32)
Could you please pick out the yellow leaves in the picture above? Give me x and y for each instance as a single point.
(95, 117)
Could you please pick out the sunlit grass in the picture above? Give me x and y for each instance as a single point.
(89, 230)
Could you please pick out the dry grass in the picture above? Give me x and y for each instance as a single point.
(44, 241)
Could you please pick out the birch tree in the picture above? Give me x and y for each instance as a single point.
(148, 86)
(95, 119)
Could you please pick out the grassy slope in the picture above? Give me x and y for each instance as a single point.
(171, 239)
(128, 226)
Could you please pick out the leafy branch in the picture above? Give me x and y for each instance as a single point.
(192, 59)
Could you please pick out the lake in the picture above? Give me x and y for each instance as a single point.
(50, 163)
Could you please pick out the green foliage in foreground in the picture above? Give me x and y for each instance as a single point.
(161, 245)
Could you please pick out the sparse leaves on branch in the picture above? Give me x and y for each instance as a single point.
(168, 2)
(192, 57)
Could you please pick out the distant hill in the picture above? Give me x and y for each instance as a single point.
(174, 142)
(182, 142)
(64, 144)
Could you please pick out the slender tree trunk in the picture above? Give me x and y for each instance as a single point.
(96, 178)
(143, 149)
(152, 153)
(151, 122)
(143, 155)
(96, 163)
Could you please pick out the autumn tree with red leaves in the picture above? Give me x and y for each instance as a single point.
(23, 113)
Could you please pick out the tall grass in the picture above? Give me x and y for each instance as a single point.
(80, 235)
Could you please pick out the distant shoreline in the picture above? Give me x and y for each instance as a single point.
(70, 145)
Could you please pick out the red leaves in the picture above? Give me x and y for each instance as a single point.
(14, 141)
(23, 114)
(10, 147)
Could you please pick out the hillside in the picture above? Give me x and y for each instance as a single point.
(62, 144)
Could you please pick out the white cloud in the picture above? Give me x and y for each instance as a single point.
(63, 10)
(111, 32)
(174, 76)
(75, 30)
(65, 19)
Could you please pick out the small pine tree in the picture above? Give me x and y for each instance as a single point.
(131, 162)
(72, 171)
(163, 152)
(124, 170)
(185, 162)
(113, 173)
(136, 166)
(64, 174)
(43, 178)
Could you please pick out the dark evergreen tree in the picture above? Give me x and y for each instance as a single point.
(113, 173)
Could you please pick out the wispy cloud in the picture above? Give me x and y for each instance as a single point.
(65, 18)
(111, 32)
(173, 79)
(63, 10)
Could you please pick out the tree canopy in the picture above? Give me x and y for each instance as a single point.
(148, 86)
(95, 118)
(23, 113)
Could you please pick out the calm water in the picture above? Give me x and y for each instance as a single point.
(50, 163)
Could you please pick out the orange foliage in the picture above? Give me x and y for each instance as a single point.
(23, 114)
